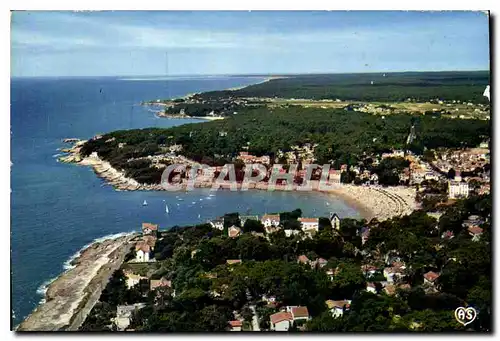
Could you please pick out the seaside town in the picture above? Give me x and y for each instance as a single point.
(123, 216)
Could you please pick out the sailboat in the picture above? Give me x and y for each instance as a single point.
(166, 209)
(145, 203)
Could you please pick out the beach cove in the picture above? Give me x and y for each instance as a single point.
(56, 208)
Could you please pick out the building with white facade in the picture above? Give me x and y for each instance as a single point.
(458, 189)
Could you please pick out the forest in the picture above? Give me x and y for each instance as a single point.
(343, 137)
(465, 86)
(269, 267)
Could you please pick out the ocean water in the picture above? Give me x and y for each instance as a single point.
(58, 208)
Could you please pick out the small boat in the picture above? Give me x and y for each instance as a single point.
(199, 216)
(145, 203)
(166, 209)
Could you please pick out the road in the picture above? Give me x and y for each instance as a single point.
(255, 320)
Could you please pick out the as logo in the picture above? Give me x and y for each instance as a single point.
(465, 315)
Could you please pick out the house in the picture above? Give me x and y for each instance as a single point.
(309, 224)
(244, 218)
(281, 321)
(298, 313)
(142, 252)
(148, 228)
(368, 270)
(321, 262)
(269, 220)
(390, 289)
(475, 232)
(447, 235)
(335, 221)
(234, 231)
(458, 189)
(303, 259)
(157, 283)
(370, 287)
(233, 261)
(124, 313)
(337, 307)
(392, 273)
(290, 233)
(430, 277)
(334, 176)
(217, 224)
(132, 279)
(236, 325)
(269, 299)
(331, 274)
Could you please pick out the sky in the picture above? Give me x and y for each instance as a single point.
(141, 43)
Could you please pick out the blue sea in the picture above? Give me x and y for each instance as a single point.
(56, 208)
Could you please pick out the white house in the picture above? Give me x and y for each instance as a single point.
(217, 224)
(370, 287)
(289, 233)
(337, 307)
(270, 220)
(335, 221)
(142, 251)
(281, 321)
(124, 313)
(309, 224)
(458, 189)
(132, 279)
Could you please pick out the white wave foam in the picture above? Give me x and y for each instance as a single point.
(67, 264)
(57, 155)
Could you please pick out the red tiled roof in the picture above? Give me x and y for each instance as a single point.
(431, 276)
(235, 323)
(300, 312)
(303, 259)
(475, 230)
(149, 226)
(370, 285)
(308, 220)
(281, 316)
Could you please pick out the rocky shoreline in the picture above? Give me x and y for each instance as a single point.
(73, 294)
(371, 201)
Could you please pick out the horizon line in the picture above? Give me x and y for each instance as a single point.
(253, 74)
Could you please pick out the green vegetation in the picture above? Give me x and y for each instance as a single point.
(208, 290)
(343, 137)
(393, 87)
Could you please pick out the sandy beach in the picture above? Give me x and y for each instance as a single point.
(370, 201)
